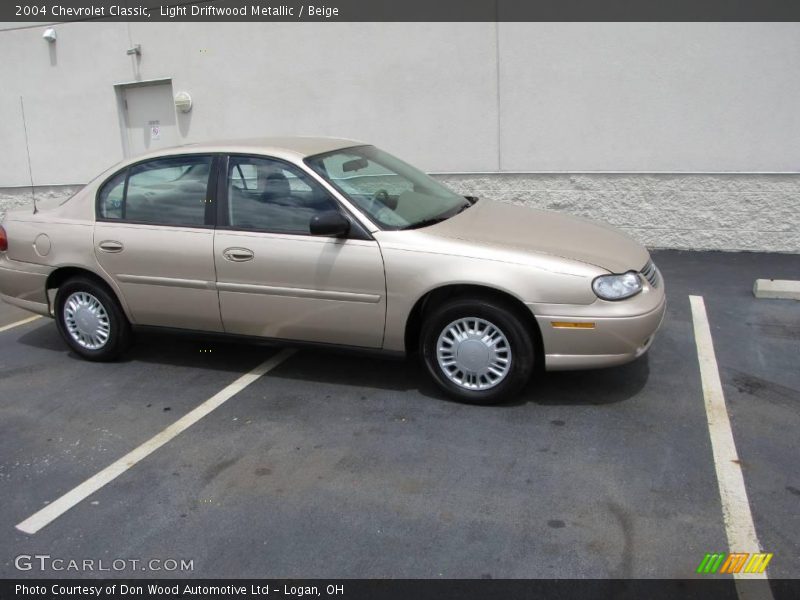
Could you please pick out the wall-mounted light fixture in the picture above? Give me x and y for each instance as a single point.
(135, 51)
(49, 35)
(183, 102)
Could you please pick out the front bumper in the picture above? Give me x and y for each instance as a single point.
(612, 333)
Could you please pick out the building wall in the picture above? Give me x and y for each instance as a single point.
(694, 115)
(684, 97)
(686, 211)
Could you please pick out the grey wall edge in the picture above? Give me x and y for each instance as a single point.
(734, 212)
(22, 197)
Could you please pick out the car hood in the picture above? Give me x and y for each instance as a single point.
(557, 234)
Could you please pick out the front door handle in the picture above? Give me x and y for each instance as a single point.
(111, 246)
(238, 254)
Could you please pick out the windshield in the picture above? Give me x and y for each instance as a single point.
(392, 193)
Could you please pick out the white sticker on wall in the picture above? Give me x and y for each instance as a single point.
(155, 130)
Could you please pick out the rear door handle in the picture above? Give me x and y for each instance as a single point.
(111, 246)
(238, 254)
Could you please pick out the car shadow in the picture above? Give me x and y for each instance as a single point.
(162, 348)
(595, 387)
(590, 387)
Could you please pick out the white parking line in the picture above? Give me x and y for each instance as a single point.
(57, 508)
(739, 526)
(18, 323)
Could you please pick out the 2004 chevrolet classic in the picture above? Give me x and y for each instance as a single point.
(329, 241)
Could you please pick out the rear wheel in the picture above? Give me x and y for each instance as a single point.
(477, 350)
(90, 320)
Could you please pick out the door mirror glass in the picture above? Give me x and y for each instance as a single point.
(330, 223)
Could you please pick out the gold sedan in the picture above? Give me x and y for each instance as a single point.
(332, 242)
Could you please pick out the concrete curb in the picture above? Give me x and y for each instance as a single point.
(777, 288)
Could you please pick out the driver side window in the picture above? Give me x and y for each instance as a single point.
(269, 195)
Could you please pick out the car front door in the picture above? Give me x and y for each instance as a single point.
(154, 236)
(277, 280)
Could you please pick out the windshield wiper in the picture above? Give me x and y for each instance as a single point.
(426, 222)
(439, 219)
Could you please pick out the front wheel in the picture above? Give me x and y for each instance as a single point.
(477, 350)
(90, 320)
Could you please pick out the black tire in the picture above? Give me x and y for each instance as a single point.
(119, 335)
(503, 316)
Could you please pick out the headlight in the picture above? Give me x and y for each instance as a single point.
(617, 287)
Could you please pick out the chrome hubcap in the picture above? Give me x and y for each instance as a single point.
(473, 353)
(87, 320)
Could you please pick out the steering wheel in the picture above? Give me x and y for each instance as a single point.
(381, 196)
(378, 201)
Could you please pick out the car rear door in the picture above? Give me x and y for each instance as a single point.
(277, 280)
(154, 235)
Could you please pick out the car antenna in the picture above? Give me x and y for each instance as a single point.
(28, 151)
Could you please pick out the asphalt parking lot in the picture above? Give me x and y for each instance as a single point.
(337, 466)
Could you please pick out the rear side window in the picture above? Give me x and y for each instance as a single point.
(166, 191)
(111, 197)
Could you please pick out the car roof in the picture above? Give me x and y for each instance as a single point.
(300, 147)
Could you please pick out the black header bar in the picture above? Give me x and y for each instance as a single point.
(711, 588)
(26, 11)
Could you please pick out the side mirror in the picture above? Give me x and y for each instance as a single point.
(330, 223)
